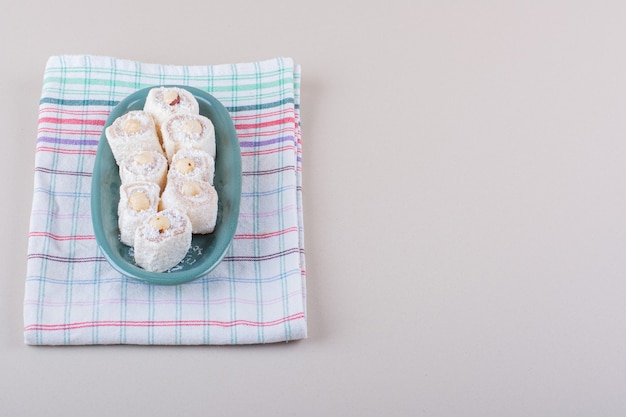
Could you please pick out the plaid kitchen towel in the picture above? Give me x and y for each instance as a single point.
(256, 294)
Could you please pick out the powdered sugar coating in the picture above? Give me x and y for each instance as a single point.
(124, 143)
(160, 250)
(162, 110)
(177, 136)
(154, 171)
(203, 170)
(128, 218)
(201, 208)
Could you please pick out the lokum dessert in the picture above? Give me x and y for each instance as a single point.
(188, 131)
(132, 132)
(162, 240)
(148, 166)
(164, 102)
(198, 199)
(137, 200)
(192, 164)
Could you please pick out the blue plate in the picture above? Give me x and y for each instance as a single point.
(206, 251)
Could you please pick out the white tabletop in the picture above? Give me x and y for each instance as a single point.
(464, 199)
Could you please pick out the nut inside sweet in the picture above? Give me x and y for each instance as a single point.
(185, 165)
(171, 97)
(132, 126)
(139, 201)
(192, 126)
(191, 188)
(144, 158)
(160, 223)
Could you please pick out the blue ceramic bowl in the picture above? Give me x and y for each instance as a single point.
(206, 250)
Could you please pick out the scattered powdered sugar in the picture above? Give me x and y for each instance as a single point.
(193, 254)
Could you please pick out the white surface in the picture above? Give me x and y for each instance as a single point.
(465, 206)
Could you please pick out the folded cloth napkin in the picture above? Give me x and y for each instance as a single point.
(255, 295)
